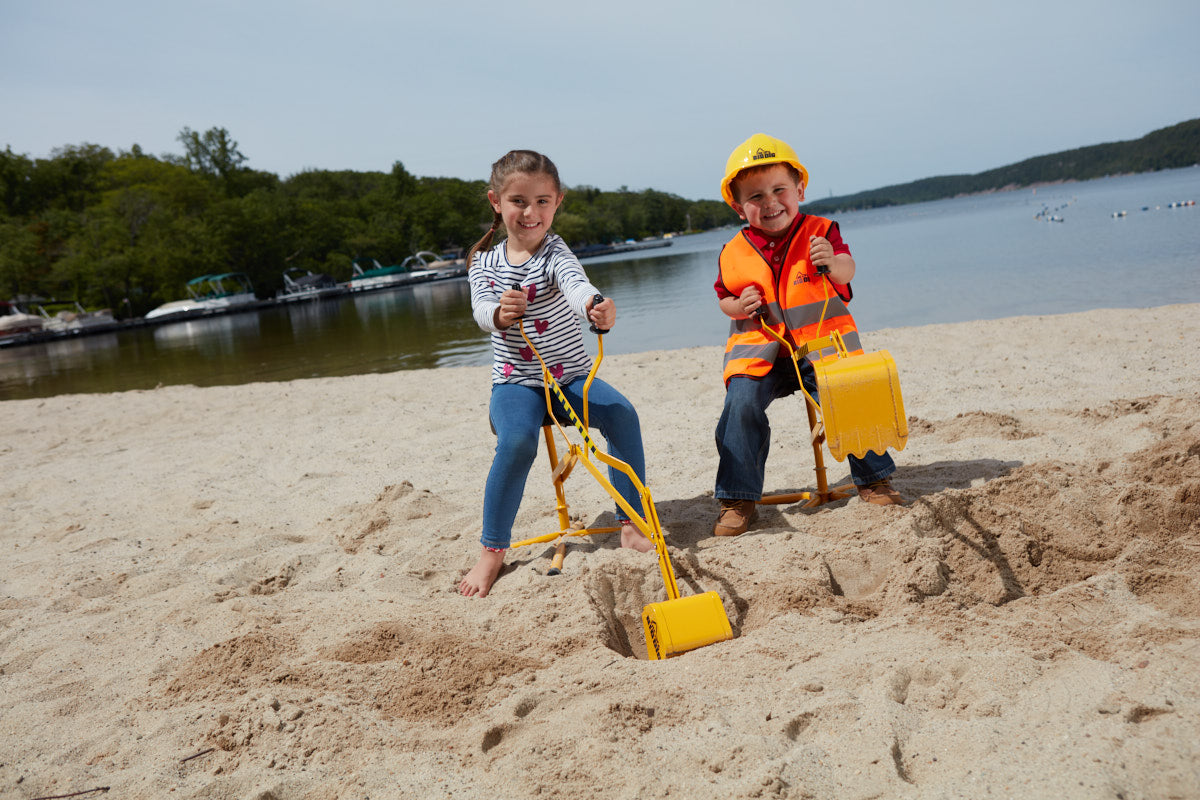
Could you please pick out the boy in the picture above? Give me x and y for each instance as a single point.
(786, 261)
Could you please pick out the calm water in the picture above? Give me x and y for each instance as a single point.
(980, 257)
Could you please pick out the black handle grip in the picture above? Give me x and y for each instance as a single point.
(822, 269)
(760, 312)
(518, 288)
(599, 298)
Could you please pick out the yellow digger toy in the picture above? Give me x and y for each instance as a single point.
(675, 625)
(860, 408)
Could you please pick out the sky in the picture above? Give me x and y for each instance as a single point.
(623, 93)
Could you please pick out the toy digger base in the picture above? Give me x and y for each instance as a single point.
(860, 409)
(673, 626)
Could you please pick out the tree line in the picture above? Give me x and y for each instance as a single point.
(1166, 148)
(127, 230)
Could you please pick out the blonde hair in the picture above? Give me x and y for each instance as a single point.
(526, 162)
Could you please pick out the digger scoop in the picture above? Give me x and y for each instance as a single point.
(679, 624)
(684, 623)
(861, 404)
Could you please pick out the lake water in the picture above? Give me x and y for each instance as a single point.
(979, 257)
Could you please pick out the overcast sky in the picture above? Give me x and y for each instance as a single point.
(619, 93)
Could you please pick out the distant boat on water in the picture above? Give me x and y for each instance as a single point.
(629, 245)
(210, 294)
(301, 284)
(378, 276)
(77, 320)
(443, 266)
(420, 268)
(16, 324)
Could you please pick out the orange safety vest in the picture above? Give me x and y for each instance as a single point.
(796, 302)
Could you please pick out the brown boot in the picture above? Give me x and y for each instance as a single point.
(880, 493)
(735, 517)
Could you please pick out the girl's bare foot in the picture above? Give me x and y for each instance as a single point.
(634, 539)
(478, 582)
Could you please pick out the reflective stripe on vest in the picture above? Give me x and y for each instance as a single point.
(749, 351)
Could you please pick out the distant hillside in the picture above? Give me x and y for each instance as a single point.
(1167, 148)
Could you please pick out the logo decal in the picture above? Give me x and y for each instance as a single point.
(652, 627)
(762, 153)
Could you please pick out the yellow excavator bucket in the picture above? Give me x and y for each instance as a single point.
(861, 404)
(684, 623)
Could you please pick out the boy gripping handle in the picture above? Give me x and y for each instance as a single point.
(786, 261)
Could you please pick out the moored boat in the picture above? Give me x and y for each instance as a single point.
(210, 294)
(629, 245)
(302, 284)
(377, 276)
(16, 324)
(439, 266)
(78, 320)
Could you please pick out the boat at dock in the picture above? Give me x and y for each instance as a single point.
(377, 276)
(423, 267)
(301, 284)
(210, 294)
(443, 266)
(627, 246)
(74, 320)
(16, 325)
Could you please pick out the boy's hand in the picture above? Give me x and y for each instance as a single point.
(750, 298)
(820, 254)
(602, 315)
(512, 307)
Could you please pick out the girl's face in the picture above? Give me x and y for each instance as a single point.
(527, 203)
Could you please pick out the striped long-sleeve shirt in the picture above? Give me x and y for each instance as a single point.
(558, 292)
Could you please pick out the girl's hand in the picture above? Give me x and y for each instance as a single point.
(602, 315)
(750, 298)
(820, 253)
(512, 307)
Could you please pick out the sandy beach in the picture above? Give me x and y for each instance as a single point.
(248, 592)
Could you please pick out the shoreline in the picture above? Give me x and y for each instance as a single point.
(249, 590)
(880, 334)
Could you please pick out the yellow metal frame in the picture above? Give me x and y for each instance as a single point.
(673, 626)
(647, 522)
(816, 425)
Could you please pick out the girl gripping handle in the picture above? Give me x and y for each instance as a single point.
(555, 295)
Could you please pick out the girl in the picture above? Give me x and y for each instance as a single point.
(555, 294)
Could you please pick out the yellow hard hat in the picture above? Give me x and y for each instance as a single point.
(756, 151)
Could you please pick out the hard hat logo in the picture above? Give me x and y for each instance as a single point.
(762, 153)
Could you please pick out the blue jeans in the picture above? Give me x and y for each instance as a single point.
(744, 434)
(517, 413)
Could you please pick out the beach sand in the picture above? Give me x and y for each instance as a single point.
(249, 591)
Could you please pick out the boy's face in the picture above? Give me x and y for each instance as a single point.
(769, 198)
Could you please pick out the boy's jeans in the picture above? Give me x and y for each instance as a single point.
(744, 434)
(517, 414)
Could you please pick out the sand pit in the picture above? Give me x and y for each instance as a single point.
(249, 592)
